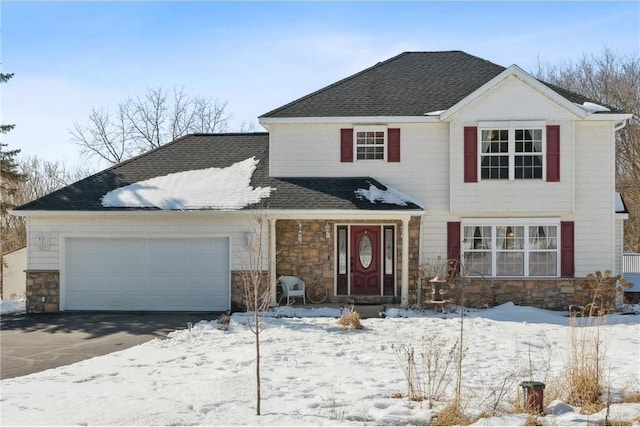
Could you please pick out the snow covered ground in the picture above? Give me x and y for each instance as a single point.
(12, 306)
(316, 373)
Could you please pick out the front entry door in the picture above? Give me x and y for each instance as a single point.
(365, 260)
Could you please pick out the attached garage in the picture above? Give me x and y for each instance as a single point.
(146, 274)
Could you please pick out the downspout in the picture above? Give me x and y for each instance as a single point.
(619, 126)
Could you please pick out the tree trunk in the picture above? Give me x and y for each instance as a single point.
(257, 372)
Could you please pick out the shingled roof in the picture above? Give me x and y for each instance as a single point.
(201, 151)
(410, 84)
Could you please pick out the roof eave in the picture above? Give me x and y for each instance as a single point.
(280, 213)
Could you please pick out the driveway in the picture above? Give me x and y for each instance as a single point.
(35, 342)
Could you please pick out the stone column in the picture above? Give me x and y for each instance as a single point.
(43, 291)
(272, 260)
(404, 287)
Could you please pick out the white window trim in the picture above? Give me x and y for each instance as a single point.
(511, 127)
(378, 128)
(523, 222)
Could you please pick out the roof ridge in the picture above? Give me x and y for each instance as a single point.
(339, 82)
(228, 133)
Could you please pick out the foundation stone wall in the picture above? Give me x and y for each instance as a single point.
(43, 291)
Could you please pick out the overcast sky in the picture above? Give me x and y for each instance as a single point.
(71, 57)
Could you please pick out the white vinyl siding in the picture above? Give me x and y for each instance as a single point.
(177, 224)
(595, 198)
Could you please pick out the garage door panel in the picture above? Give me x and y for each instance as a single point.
(147, 274)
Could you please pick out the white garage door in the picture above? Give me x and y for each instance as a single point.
(146, 274)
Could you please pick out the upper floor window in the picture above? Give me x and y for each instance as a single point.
(511, 153)
(370, 144)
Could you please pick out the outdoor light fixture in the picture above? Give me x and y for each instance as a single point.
(327, 230)
(249, 238)
(299, 232)
(42, 241)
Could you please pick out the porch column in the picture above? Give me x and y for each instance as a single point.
(404, 284)
(272, 260)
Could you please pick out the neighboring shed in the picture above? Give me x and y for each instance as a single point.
(631, 272)
(14, 278)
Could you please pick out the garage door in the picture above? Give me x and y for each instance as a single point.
(146, 274)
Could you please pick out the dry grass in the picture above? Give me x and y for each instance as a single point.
(451, 415)
(223, 321)
(532, 420)
(350, 320)
(585, 369)
(615, 422)
(633, 397)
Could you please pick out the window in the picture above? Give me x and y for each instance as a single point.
(511, 249)
(342, 250)
(512, 152)
(370, 144)
(494, 162)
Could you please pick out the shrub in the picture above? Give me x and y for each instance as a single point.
(598, 293)
(350, 320)
(223, 321)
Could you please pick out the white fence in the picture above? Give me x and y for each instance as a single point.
(631, 270)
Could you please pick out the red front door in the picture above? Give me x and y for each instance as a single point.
(365, 260)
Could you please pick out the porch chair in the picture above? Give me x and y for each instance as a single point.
(292, 286)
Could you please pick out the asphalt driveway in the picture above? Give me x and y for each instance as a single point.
(35, 342)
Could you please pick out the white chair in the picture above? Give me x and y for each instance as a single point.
(292, 287)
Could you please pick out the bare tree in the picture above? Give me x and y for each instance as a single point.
(143, 123)
(613, 80)
(41, 177)
(257, 289)
(10, 178)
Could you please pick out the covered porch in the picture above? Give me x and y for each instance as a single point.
(359, 259)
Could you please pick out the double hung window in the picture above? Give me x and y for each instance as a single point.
(370, 143)
(511, 250)
(512, 152)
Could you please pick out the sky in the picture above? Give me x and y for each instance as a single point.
(71, 57)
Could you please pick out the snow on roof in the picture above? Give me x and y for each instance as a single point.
(389, 196)
(213, 188)
(620, 206)
(591, 108)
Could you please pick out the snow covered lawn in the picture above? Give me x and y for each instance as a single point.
(316, 373)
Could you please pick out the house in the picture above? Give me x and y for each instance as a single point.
(14, 264)
(425, 156)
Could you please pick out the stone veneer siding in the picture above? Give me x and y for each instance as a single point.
(313, 260)
(43, 291)
(237, 288)
(553, 294)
